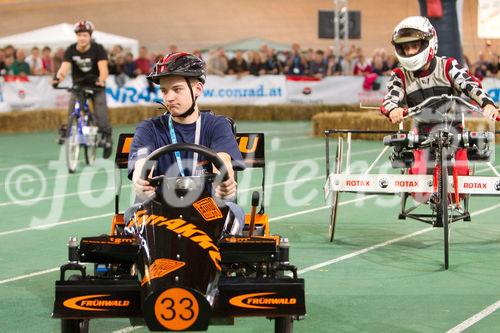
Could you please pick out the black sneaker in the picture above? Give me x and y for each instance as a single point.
(107, 144)
(62, 134)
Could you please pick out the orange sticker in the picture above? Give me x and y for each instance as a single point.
(208, 209)
(126, 145)
(161, 267)
(176, 309)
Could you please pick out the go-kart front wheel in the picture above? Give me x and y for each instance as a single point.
(283, 325)
(75, 325)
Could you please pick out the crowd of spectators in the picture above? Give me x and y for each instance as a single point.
(265, 60)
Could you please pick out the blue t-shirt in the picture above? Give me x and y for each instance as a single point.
(151, 134)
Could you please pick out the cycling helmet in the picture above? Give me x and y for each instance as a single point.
(84, 26)
(181, 64)
(415, 28)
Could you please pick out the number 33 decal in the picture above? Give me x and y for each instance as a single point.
(176, 309)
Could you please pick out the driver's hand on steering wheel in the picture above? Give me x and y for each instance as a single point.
(490, 112)
(143, 189)
(226, 189)
(397, 115)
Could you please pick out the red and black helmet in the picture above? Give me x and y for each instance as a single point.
(84, 26)
(181, 64)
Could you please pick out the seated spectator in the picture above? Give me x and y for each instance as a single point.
(361, 64)
(271, 62)
(317, 66)
(35, 62)
(296, 64)
(256, 65)
(217, 62)
(480, 66)
(20, 66)
(237, 65)
(143, 63)
(129, 65)
(58, 58)
(47, 63)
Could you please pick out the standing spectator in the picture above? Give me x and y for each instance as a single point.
(217, 62)
(142, 63)
(237, 65)
(58, 58)
(35, 61)
(256, 66)
(20, 66)
(198, 54)
(361, 64)
(392, 62)
(493, 65)
(379, 67)
(3, 67)
(296, 64)
(271, 62)
(47, 63)
(9, 61)
(129, 65)
(116, 51)
(10, 51)
(480, 66)
(317, 66)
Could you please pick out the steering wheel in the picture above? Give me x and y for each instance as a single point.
(182, 186)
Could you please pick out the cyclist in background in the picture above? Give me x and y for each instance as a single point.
(88, 63)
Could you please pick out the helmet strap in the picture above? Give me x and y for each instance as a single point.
(193, 105)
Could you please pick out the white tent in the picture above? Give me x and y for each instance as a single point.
(62, 35)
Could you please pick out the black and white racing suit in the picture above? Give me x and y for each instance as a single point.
(408, 89)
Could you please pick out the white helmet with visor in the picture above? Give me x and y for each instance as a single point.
(413, 29)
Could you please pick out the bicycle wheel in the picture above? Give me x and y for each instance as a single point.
(90, 147)
(335, 194)
(72, 144)
(443, 202)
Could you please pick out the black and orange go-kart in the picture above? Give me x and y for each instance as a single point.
(174, 267)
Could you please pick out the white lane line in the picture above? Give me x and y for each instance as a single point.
(103, 215)
(13, 166)
(29, 275)
(47, 226)
(362, 251)
(93, 172)
(128, 329)
(475, 318)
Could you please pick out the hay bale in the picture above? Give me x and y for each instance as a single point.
(373, 120)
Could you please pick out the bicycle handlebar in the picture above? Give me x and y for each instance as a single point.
(413, 111)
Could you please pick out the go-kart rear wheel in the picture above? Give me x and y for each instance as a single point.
(283, 325)
(75, 325)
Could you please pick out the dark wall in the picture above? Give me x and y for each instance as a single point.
(449, 43)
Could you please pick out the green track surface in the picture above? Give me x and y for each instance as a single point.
(399, 286)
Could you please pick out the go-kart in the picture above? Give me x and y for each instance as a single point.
(441, 188)
(174, 266)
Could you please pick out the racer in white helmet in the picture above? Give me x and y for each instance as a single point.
(423, 74)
